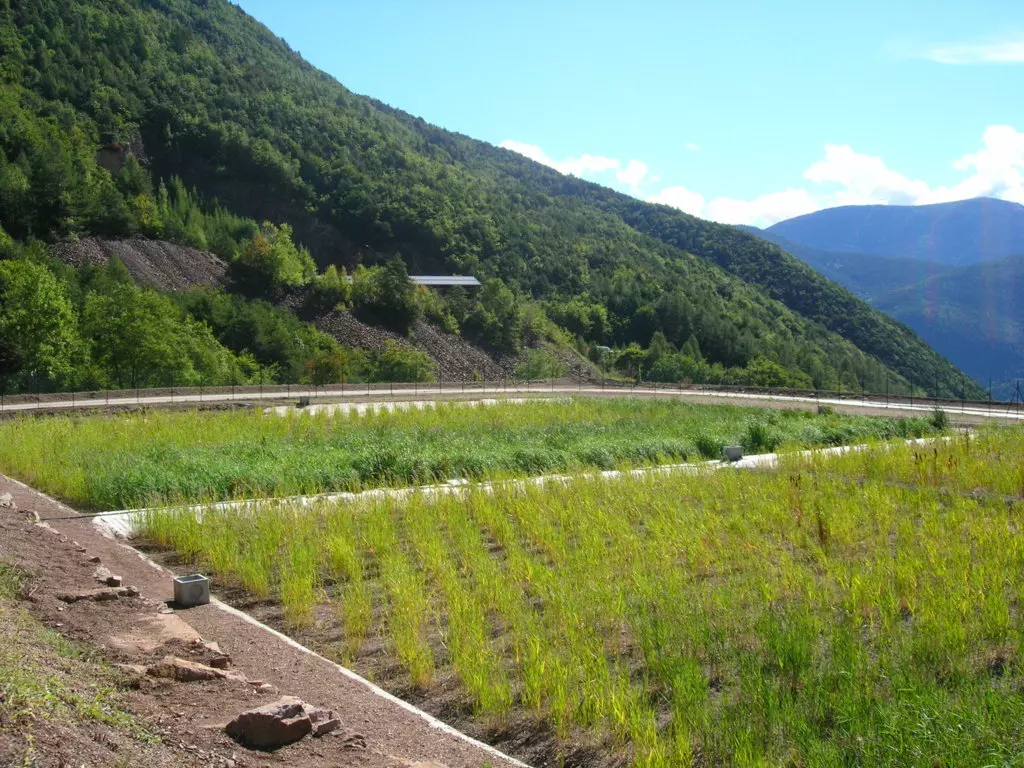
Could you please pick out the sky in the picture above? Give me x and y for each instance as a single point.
(741, 111)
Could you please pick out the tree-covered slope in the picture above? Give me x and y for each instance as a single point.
(100, 100)
(866, 276)
(974, 315)
(957, 234)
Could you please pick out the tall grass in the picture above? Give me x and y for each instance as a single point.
(824, 614)
(163, 457)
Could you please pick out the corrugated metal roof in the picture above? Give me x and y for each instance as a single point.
(444, 280)
(439, 280)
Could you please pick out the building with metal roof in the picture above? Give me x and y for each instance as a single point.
(445, 280)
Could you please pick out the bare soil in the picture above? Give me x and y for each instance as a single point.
(188, 718)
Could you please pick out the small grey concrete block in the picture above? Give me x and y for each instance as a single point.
(732, 453)
(191, 590)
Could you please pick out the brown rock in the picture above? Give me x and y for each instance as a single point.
(427, 764)
(104, 576)
(173, 668)
(98, 595)
(94, 559)
(323, 721)
(185, 671)
(133, 669)
(351, 739)
(218, 658)
(273, 726)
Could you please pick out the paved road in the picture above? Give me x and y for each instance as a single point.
(969, 413)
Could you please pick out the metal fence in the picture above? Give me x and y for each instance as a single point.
(280, 392)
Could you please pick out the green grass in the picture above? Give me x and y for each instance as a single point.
(819, 615)
(964, 464)
(133, 460)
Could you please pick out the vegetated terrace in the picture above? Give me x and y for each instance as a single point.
(821, 614)
(161, 457)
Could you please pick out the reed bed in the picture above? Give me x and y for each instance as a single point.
(161, 457)
(985, 461)
(821, 614)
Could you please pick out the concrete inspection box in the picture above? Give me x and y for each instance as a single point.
(191, 590)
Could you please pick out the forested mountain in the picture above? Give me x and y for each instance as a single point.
(956, 234)
(866, 276)
(973, 315)
(189, 121)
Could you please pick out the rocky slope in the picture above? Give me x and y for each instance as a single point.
(155, 263)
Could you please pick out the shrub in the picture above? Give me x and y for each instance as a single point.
(539, 364)
(940, 419)
(397, 363)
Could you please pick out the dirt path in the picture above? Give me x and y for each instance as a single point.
(377, 731)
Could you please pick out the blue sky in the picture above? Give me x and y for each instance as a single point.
(742, 111)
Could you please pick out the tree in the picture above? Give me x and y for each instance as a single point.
(657, 349)
(37, 322)
(331, 289)
(270, 261)
(692, 349)
(497, 319)
(141, 339)
(395, 300)
(762, 372)
(397, 363)
(630, 361)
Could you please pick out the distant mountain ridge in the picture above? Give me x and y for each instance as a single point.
(955, 234)
(972, 314)
(866, 276)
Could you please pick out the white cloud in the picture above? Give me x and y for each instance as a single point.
(1006, 51)
(997, 167)
(864, 179)
(632, 173)
(692, 146)
(772, 207)
(682, 198)
(842, 176)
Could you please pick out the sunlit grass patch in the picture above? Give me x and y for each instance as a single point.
(168, 457)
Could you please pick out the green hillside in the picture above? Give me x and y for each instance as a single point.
(866, 276)
(105, 103)
(974, 315)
